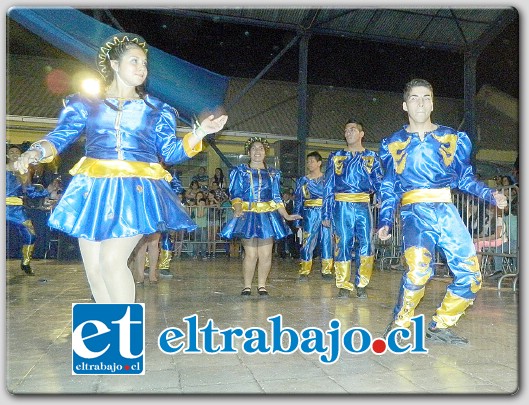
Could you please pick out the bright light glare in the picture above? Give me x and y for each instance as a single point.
(91, 86)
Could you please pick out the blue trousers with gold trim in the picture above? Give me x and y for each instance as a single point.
(314, 232)
(426, 226)
(352, 221)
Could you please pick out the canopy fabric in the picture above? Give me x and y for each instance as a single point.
(190, 89)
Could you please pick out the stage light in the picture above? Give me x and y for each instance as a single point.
(91, 86)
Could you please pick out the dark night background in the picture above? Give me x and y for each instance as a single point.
(243, 51)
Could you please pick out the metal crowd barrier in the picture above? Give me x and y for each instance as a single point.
(205, 239)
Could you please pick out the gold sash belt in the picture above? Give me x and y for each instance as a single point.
(314, 202)
(119, 168)
(441, 195)
(264, 206)
(352, 197)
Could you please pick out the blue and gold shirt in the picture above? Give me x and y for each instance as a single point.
(441, 160)
(350, 172)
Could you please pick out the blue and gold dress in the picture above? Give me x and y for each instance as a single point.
(419, 175)
(118, 188)
(258, 191)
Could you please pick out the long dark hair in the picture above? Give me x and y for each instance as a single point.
(220, 178)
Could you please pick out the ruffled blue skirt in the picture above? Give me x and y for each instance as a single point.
(104, 208)
(256, 225)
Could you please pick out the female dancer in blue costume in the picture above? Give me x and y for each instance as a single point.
(308, 202)
(17, 187)
(119, 191)
(259, 213)
(423, 161)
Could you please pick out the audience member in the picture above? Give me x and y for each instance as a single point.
(194, 187)
(200, 215)
(218, 178)
(201, 178)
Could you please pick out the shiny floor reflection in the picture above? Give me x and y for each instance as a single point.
(39, 335)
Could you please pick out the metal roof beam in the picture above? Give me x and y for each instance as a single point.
(506, 17)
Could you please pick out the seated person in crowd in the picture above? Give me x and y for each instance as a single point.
(202, 178)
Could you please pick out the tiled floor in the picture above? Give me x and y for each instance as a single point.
(38, 335)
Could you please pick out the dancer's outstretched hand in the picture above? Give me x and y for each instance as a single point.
(210, 124)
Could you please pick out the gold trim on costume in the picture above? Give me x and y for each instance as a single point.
(14, 201)
(164, 260)
(327, 266)
(365, 270)
(263, 206)
(369, 161)
(119, 168)
(236, 201)
(29, 226)
(410, 300)
(338, 164)
(315, 202)
(305, 267)
(418, 260)
(351, 197)
(305, 191)
(342, 271)
(27, 254)
(448, 147)
(451, 310)
(304, 239)
(440, 195)
(188, 149)
(397, 150)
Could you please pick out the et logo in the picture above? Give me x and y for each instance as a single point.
(108, 339)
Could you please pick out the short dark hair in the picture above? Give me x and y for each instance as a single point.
(316, 155)
(355, 121)
(416, 83)
(13, 146)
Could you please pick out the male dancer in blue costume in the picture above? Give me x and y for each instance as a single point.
(17, 187)
(423, 161)
(308, 200)
(352, 174)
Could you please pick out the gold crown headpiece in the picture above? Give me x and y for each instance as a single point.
(253, 139)
(113, 41)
